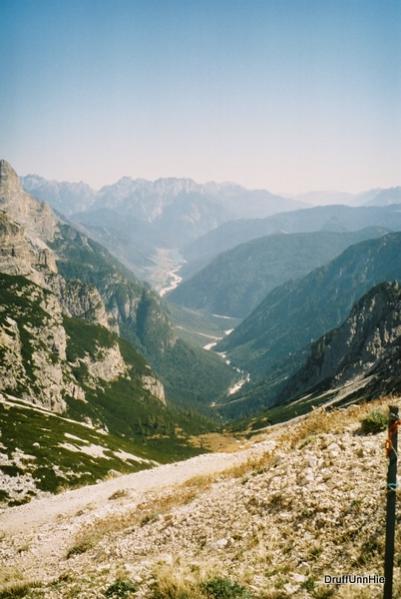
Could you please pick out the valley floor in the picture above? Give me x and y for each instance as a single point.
(305, 500)
(163, 275)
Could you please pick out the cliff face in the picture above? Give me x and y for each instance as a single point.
(79, 300)
(92, 285)
(37, 218)
(35, 299)
(37, 362)
(33, 345)
(23, 250)
(20, 256)
(365, 348)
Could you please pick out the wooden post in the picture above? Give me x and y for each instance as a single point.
(391, 501)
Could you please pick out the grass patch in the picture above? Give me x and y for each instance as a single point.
(119, 494)
(18, 589)
(179, 581)
(121, 588)
(82, 546)
(224, 588)
(375, 422)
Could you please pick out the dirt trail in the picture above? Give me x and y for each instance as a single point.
(47, 510)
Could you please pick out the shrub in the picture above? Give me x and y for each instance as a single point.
(119, 494)
(373, 423)
(308, 584)
(80, 547)
(120, 588)
(223, 588)
(18, 589)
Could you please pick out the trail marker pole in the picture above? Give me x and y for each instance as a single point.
(392, 442)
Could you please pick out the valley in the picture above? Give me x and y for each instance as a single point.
(164, 276)
(200, 299)
(242, 377)
(131, 411)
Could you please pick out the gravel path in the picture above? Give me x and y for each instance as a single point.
(26, 518)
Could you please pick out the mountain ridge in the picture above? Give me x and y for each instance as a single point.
(334, 218)
(134, 217)
(272, 343)
(237, 280)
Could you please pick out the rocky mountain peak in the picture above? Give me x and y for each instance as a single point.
(8, 176)
(36, 217)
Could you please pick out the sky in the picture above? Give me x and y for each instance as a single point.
(288, 95)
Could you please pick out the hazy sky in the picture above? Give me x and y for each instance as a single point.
(290, 95)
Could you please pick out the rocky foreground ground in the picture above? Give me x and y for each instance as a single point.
(269, 522)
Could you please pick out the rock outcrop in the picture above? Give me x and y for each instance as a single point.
(79, 300)
(33, 339)
(32, 344)
(155, 387)
(366, 349)
(20, 256)
(37, 217)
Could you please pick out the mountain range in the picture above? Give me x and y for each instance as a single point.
(91, 363)
(320, 218)
(237, 280)
(134, 217)
(273, 342)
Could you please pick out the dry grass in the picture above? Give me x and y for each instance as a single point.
(144, 513)
(322, 420)
(219, 442)
(319, 421)
(255, 465)
(9, 575)
(182, 580)
(119, 494)
(82, 544)
(18, 589)
(160, 506)
(174, 581)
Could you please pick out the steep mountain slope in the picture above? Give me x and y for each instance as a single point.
(134, 217)
(192, 377)
(320, 218)
(85, 271)
(55, 370)
(359, 360)
(236, 281)
(36, 217)
(20, 256)
(273, 342)
(298, 312)
(365, 349)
